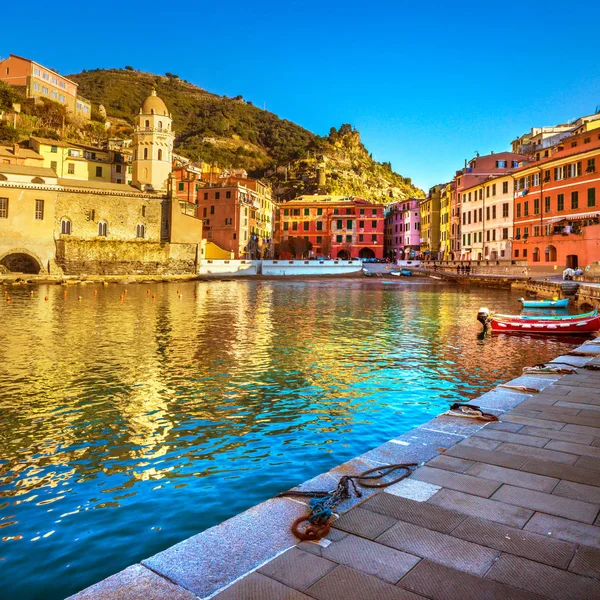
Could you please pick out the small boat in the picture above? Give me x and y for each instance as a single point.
(367, 273)
(578, 324)
(555, 303)
(406, 272)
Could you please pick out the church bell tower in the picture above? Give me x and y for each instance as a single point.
(152, 145)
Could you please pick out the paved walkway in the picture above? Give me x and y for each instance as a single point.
(511, 512)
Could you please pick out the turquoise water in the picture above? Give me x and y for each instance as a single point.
(129, 425)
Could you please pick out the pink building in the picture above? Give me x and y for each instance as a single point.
(403, 230)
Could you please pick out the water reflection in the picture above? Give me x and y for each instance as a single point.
(129, 425)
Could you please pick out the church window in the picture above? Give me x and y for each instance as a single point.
(160, 124)
(102, 228)
(147, 123)
(65, 227)
(159, 154)
(145, 153)
(140, 230)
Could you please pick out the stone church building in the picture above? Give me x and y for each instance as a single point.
(50, 224)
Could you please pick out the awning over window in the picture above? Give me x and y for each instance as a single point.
(578, 217)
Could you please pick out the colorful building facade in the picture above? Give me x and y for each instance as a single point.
(445, 212)
(557, 205)
(430, 223)
(487, 219)
(337, 227)
(238, 217)
(402, 230)
(37, 82)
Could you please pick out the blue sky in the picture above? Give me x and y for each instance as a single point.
(426, 83)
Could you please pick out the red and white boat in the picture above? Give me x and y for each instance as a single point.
(575, 324)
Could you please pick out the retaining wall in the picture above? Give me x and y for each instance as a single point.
(229, 267)
(282, 268)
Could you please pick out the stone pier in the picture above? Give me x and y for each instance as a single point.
(506, 510)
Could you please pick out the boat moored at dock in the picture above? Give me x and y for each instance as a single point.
(554, 303)
(573, 324)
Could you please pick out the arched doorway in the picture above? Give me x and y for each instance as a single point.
(343, 254)
(366, 253)
(572, 261)
(536, 255)
(550, 253)
(20, 262)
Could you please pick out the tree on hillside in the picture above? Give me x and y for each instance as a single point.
(50, 114)
(8, 134)
(8, 96)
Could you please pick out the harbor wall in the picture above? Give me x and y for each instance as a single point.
(283, 268)
(229, 267)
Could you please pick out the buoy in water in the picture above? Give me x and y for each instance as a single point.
(79, 298)
(46, 298)
(31, 293)
(95, 292)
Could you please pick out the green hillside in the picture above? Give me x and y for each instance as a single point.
(231, 132)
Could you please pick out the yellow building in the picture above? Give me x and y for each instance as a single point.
(430, 223)
(74, 161)
(444, 251)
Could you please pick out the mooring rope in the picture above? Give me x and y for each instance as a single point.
(322, 503)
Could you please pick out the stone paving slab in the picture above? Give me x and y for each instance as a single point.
(360, 554)
(541, 579)
(588, 462)
(578, 491)
(515, 541)
(443, 461)
(514, 477)
(504, 426)
(297, 569)
(457, 481)
(480, 442)
(365, 523)
(564, 529)
(586, 562)
(541, 453)
(259, 587)
(505, 436)
(560, 471)
(491, 510)
(521, 420)
(344, 584)
(501, 459)
(578, 449)
(439, 547)
(436, 518)
(443, 583)
(562, 435)
(547, 503)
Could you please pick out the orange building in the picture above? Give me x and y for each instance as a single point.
(335, 226)
(37, 81)
(557, 205)
(475, 172)
(238, 216)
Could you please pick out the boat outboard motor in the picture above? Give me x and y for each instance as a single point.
(482, 316)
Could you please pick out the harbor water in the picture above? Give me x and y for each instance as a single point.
(134, 417)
